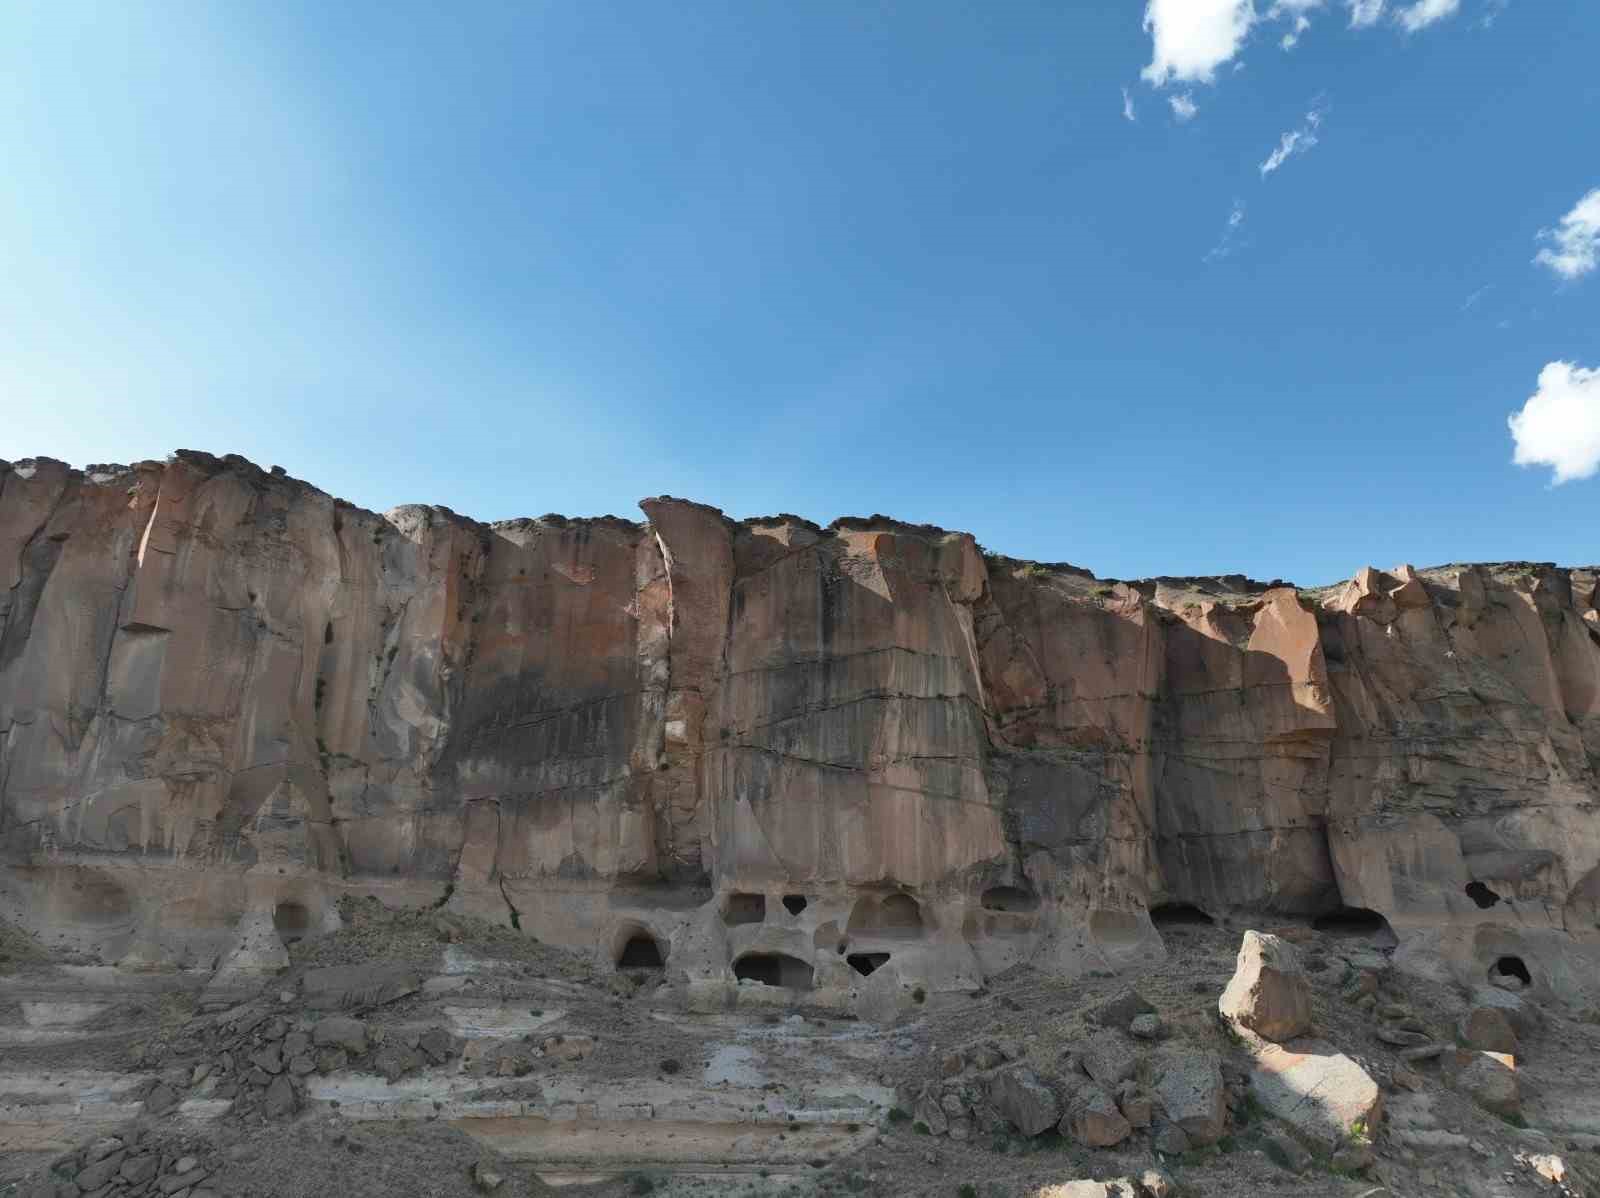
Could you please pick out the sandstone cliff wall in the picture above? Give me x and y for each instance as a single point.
(227, 698)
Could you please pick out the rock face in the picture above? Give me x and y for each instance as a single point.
(1268, 992)
(227, 699)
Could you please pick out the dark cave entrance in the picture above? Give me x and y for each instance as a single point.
(773, 969)
(1179, 915)
(292, 921)
(641, 952)
(866, 964)
(1507, 968)
(1482, 895)
(794, 903)
(745, 908)
(1357, 923)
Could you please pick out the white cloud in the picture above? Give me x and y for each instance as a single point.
(1192, 38)
(1576, 244)
(1559, 426)
(1296, 141)
(1127, 106)
(1183, 106)
(1426, 12)
(1230, 234)
(1477, 295)
(1296, 13)
(1364, 12)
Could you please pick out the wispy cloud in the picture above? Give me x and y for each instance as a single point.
(1426, 12)
(1230, 234)
(1491, 12)
(1296, 141)
(1364, 12)
(1298, 14)
(1476, 296)
(1574, 247)
(1559, 426)
(1127, 106)
(1183, 106)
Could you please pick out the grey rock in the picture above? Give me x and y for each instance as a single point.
(1023, 1099)
(341, 1031)
(1286, 1151)
(1108, 1058)
(1093, 1119)
(1145, 1027)
(160, 1100)
(281, 1099)
(357, 987)
(1189, 1088)
(1120, 1010)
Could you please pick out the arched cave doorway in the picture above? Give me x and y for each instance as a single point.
(640, 951)
(773, 969)
(1510, 973)
(1168, 916)
(292, 921)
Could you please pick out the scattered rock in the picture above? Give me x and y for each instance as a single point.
(159, 1101)
(357, 987)
(1023, 1099)
(1093, 1119)
(1119, 1011)
(1268, 993)
(486, 1179)
(1145, 1027)
(1189, 1088)
(1107, 1058)
(1487, 1029)
(281, 1099)
(341, 1031)
(1490, 1080)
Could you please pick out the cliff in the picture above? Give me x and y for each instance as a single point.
(227, 698)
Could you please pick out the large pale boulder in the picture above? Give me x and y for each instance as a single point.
(1268, 993)
(1318, 1091)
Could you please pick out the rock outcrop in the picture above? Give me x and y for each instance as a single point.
(763, 750)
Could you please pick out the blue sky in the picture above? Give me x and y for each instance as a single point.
(833, 258)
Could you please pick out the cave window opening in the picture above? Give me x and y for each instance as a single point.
(1356, 922)
(773, 969)
(745, 908)
(866, 963)
(1179, 915)
(895, 915)
(1482, 895)
(327, 633)
(292, 921)
(1010, 898)
(641, 952)
(794, 903)
(1510, 967)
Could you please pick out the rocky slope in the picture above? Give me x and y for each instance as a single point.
(869, 759)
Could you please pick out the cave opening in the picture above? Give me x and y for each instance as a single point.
(1482, 895)
(1179, 915)
(641, 951)
(866, 963)
(1358, 923)
(1507, 968)
(1010, 898)
(773, 969)
(895, 915)
(794, 903)
(745, 908)
(292, 921)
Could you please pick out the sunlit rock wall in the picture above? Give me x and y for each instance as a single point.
(763, 747)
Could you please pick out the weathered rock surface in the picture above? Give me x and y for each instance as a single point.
(1025, 1100)
(1268, 992)
(227, 699)
(1317, 1090)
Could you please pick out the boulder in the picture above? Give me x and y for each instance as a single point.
(341, 1031)
(1524, 1015)
(1120, 1009)
(1107, 1058)
(1268, 993)
(281, 1099)
(1490, 1080)
(1026, 1101)
(1321, 1094)
(1093, 1118)
(357, 987)
(1190, 1090)
(1487, 1029)
(1145, 1027)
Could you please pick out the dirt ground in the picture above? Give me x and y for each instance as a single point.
(596, 1041)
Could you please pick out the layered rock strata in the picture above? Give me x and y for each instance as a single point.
(865, 760)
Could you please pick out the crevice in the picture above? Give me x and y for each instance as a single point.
(450, 889)
(516, 915)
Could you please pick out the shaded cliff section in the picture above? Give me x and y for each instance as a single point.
(225, 673)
